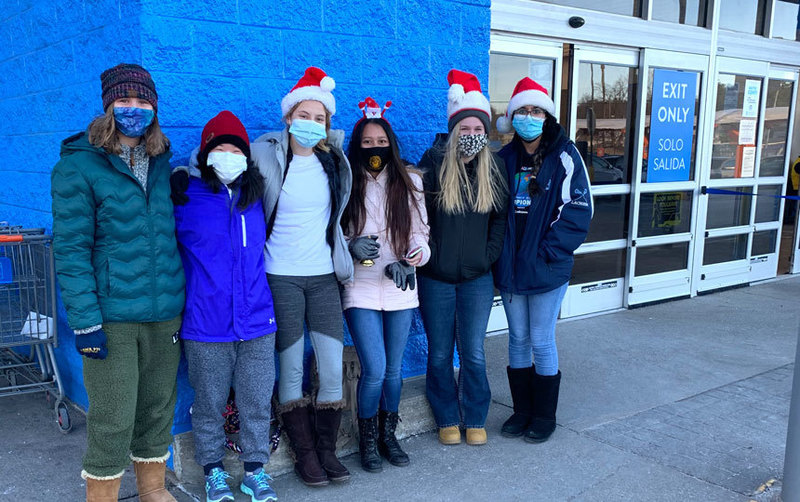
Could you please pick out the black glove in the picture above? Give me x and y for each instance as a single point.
(364, 248)
(92, 344)
(402, 274)
(179, 183)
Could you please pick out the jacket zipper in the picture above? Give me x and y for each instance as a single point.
(244, 233)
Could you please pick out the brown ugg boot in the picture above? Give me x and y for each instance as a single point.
(102, 490)
(297, 425)
(328, 417)
(150, 481)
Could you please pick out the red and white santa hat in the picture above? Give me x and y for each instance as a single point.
(526, 93)
(315, 85)
(465, 99)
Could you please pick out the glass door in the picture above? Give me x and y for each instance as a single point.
(602, 122)
(772, 179)
(665, 185)
(510, 59)
(727, 212)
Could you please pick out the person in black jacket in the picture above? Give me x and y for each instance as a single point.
(465, 199)
(548, 218)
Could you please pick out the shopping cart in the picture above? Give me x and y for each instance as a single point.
(28, 318)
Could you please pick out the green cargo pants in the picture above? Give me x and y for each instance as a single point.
(132, 396)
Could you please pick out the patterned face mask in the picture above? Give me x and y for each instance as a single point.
(470, 144)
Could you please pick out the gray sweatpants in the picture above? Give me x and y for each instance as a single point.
(248, 367)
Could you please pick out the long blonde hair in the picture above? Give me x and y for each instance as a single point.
(322, 146)
(103, 134)
(458, 194)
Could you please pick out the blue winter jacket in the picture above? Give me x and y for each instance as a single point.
(557, 223)
(222, 248)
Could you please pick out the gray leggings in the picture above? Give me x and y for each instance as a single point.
(316, 301)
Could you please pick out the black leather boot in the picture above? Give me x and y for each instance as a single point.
(519, 381)
(297, 425)
(368, 444)
(545, 402)
(327, 420)
(388, 446)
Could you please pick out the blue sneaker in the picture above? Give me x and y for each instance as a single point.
(217, 488)
(257, 486)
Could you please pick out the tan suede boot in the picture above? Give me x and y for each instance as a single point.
(150, 482)
(102, 490)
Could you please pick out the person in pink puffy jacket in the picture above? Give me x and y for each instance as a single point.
(386, 226)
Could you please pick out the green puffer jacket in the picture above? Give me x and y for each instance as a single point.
(115, 249)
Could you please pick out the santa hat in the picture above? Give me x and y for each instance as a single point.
(372, 110)
(224, 128)
(526, 93)
(315, 85)
(465, 99)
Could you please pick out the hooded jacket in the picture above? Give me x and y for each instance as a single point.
(114, 243)
(557, 223)
(463, 246)
(222, 248)
(270, 152)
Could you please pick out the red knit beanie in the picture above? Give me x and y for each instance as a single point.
(224, 128)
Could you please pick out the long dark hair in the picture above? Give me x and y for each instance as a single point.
(399, 190)
(551, 131)
(250, 183)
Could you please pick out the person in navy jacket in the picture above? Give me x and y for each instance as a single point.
(229, 325)
(548, 218)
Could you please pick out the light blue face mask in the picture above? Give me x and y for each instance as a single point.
(132, 121)
(529, 128)
(307, 132)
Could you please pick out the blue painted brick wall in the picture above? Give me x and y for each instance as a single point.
(241, 55)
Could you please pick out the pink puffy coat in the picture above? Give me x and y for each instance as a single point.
(371, 289)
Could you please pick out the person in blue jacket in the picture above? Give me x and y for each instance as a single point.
(548, 218)
(229, 325)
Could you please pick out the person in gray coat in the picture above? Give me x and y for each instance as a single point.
(307, 182)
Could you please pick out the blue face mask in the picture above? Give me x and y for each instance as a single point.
(529, 128)
(132, 121)
(307, 132)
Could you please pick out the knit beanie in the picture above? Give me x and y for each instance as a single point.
(128, 80)
(465, 100)
(315, 85)
(527, 92)
(224, 128)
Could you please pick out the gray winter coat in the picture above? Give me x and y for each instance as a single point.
(270, 151)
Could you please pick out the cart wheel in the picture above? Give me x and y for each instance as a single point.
(62, 417)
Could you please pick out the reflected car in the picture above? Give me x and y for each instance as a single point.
(602, 172)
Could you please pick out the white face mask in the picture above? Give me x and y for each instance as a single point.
(228, 166)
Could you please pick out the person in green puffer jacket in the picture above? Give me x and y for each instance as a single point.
(122, 282)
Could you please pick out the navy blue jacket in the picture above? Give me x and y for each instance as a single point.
(557, 223)
(222, 248)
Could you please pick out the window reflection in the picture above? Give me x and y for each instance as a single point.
(691, 12)
(764, 242)
(606, 101)
(600, 266)
(625, 7)
(665, 213)
(504, 73)
(768, 205)
(776, 127)
(727, 248)
(743, 15)
(735, 126)
(784, 23)
(610, 220)
(664, 258)
(729, 210)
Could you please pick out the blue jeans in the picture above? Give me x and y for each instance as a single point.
(457, 314)
(532, 329)
(380, 339)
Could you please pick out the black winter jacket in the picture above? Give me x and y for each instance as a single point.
(463, 246)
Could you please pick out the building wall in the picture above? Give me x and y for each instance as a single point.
(241, 55)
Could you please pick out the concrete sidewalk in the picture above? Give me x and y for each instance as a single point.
(686, 400)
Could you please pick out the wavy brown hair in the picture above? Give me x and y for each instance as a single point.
(400, 191)
(103, 134)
